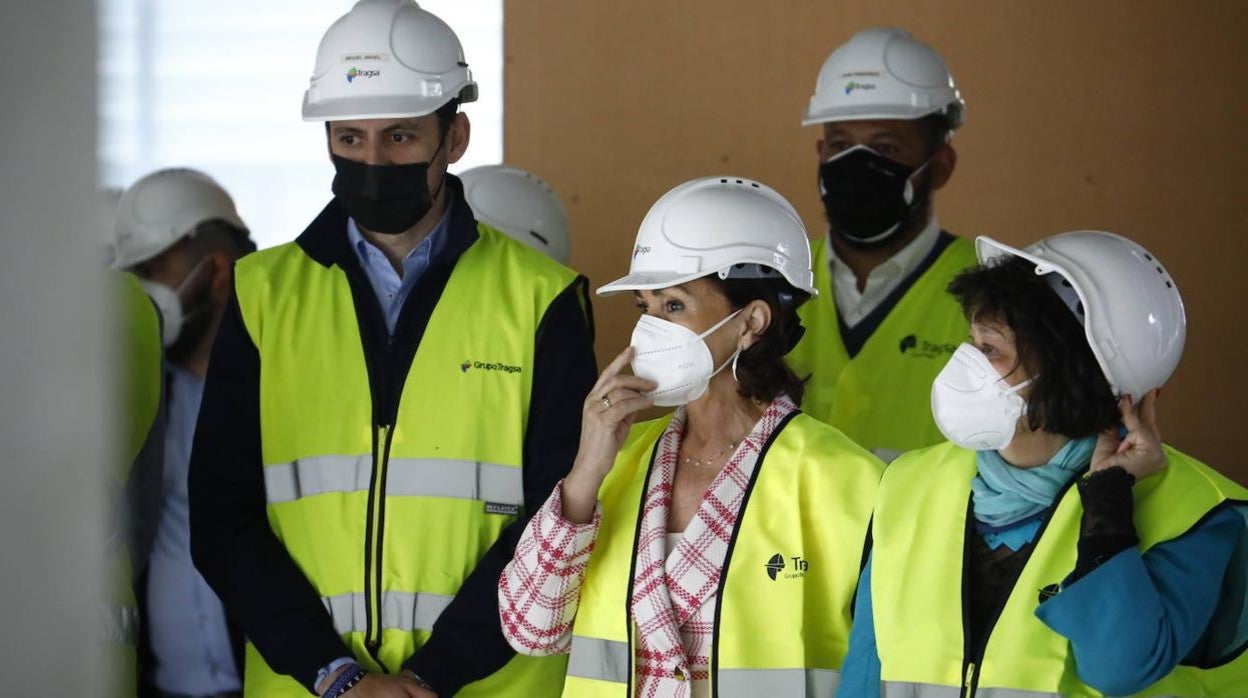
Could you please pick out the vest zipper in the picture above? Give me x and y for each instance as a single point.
(388, 358)
(973, 660)
(376, 521)
(970, 655)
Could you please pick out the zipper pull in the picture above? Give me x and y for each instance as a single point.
(970, 679)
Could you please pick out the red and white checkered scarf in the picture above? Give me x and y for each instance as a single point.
(667, 594)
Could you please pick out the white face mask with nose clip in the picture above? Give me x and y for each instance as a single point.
(675, 358)
(168, 301)
(972, 404)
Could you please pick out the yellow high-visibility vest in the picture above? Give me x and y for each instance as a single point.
(881, 397)
(783, 613)
(917, 585)
(388, 520)
(142, 381)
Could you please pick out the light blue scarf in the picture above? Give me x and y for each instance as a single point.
(1003, 495)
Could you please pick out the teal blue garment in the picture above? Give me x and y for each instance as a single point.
(1003, 494)
(1129, 621)
(1135, 617)
(1015, 535)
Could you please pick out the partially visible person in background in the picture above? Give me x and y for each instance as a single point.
(135, 476)
(520, 204)
(178, 231)
(1054, 545)
(526, 208)
(882, 325)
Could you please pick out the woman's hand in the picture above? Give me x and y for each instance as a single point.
(609, 412)
(1140, 453)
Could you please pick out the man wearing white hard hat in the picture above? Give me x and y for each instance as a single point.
(390, 395)
(179, 232)
(882, 326)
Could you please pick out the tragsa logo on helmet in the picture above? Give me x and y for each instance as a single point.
(854, 85)
(354, 73)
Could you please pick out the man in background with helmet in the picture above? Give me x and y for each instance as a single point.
(882, 326)
(179, 232)
(524, 206)
(521, 204)
(389, 395)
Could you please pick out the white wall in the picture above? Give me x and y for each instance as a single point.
(51, 365)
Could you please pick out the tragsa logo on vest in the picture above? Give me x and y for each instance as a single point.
(911, 345)
(488, 366)
(776, 566)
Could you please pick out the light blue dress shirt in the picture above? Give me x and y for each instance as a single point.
(391, 289)
(188, 631)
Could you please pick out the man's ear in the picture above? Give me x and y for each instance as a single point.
(943, 164)
(459, 133)
(221, 270)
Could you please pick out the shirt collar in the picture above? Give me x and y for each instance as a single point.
(428, 248)
(323, 242)
(902, 263)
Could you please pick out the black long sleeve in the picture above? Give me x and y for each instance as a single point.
(1108, 524)
(232, 544)
(467, 642)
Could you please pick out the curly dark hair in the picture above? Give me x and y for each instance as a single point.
(762, 372)
(1070, 394)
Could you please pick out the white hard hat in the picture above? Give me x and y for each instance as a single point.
(161, 209)
(884, 74)
(718, 225)
(387, 59)
(520, 204)
(1127, 303)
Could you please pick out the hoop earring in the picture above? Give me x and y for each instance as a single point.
(734, 365)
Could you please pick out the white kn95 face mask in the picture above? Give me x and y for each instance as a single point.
(676, 358)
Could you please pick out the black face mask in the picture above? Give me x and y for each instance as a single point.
(867, 196)
(387, 199)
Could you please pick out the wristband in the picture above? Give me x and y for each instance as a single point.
(345, 681)
(330, 668)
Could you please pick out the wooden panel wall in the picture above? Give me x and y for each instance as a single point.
(1126, 116)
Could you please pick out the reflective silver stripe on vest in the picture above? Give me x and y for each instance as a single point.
(119, 624)
(405, 477)
(750, 683)
(595, 658)
(905, 689)
(399, 611)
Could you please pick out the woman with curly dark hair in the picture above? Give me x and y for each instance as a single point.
(1054, 545)
(713, 551)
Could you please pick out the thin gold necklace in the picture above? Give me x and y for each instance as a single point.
(699, 462)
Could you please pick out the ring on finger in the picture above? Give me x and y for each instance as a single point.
(606, 402)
